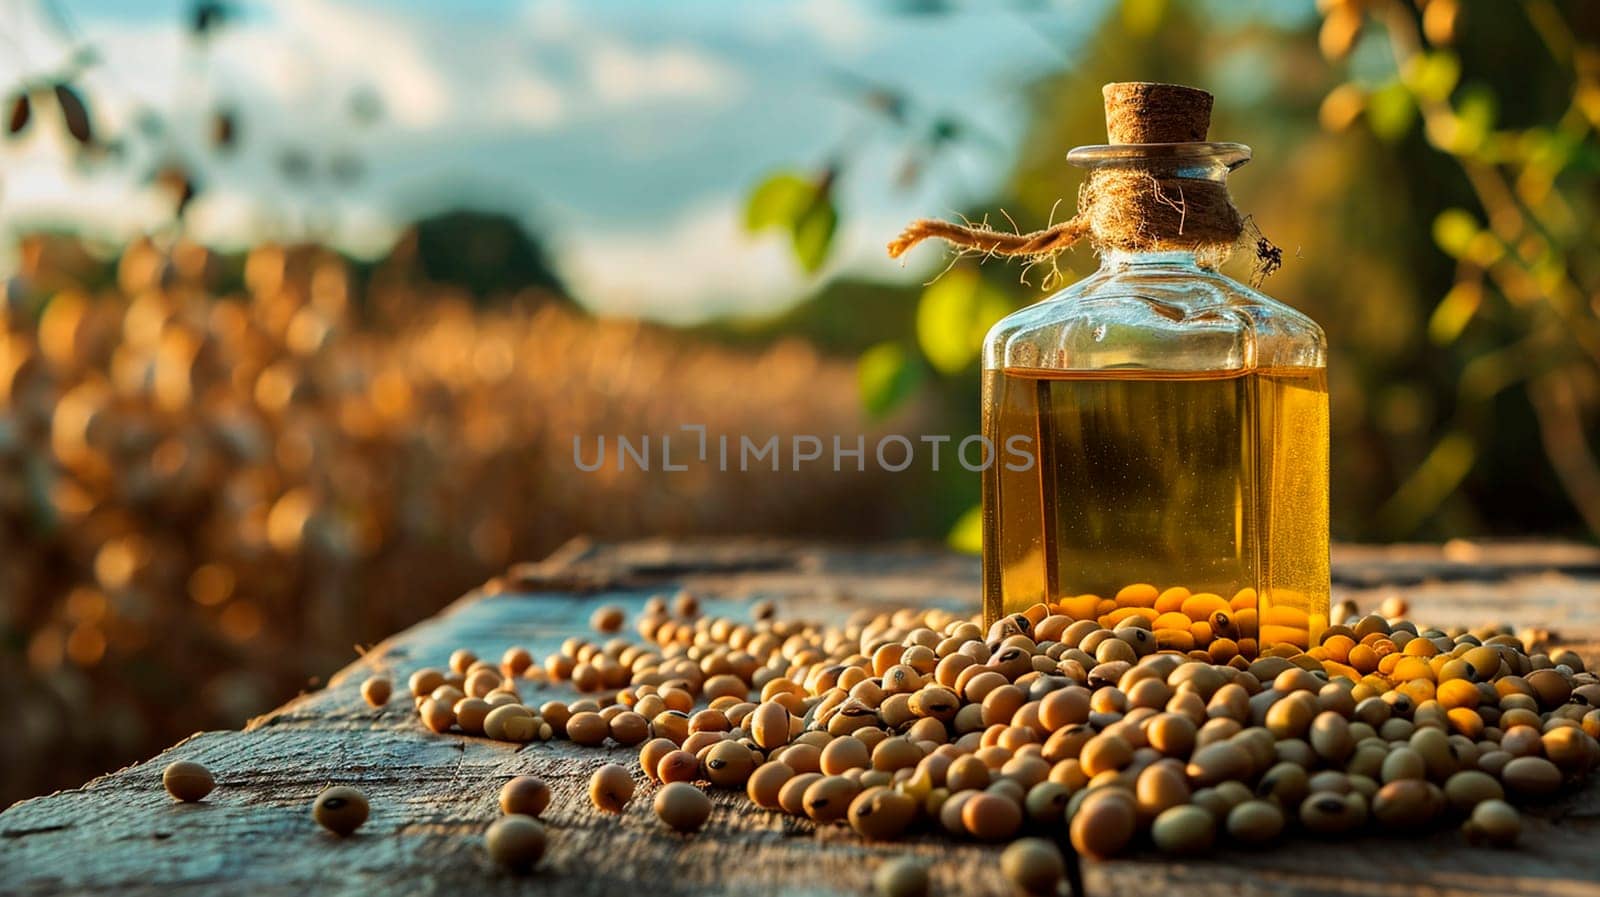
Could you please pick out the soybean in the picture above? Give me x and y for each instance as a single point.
(1255, 822)
(991, 817)
(1184, 829)
(682, 806)
(524, 796)
(1046, 803)
(1470, 787)
(1034, 865)
(1330, 813)
(187, 781)
(766, 782)
(588, 729)
(1404, 804)
(792, 796)
(1157, 710)
(1104, 824)
(881, 813)
(901, 877)
(729, 764)
(515, 841)
(1531, 777)
(769, 725)
(375, 690)
(608, 618)
(828, 798)
(1493, 822)
(340, 809)
(610, 788)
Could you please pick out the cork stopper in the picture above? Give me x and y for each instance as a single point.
(1149, 112)
(1134, 200)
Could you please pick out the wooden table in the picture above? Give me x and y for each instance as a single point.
(432, 795)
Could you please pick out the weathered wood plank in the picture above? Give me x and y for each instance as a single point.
(432, 795)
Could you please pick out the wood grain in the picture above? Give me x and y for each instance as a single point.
(432, 795)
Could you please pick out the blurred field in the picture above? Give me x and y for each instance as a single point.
(208, 496)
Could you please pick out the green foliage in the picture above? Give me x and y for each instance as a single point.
(954, 314)
(802, 206)
(967, 534)
(1474, 120)
(778, 201)
(490, 254)
(844, 318)
(1454, 231)
(1512, 327)
(1390, 111)
(1432, 76)
(813, 234)
(886, 375)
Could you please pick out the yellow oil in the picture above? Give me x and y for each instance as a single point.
(1216, 482)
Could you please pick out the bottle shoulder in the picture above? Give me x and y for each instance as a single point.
(1185, 319)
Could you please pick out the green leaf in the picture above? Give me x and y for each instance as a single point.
(778, 201)
(1547, 151)
(886, 375)
(1454, 231)
(1432, 76)
(967, 533)
(1475, 115)
(813, 234)
(1390, 111)
(1585, 160)
(953, 315)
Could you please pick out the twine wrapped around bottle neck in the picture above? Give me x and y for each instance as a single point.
(1136, 205)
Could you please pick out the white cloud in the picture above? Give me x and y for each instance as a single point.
(618, 71)
(311, 44)
(704, 263)
(551, 21)
(523, 98)
(300, 64)
(39, 188)
(839, 24)
(701, 263)
(465, 76)
(620, 74)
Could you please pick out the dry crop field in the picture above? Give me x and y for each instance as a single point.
(217, 475)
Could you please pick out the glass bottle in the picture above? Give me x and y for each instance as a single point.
(1177, 423)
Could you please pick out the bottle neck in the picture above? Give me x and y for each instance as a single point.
(1116, 260)
(1159, 203)
(1200, 161)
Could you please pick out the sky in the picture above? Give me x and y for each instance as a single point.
(625, 132)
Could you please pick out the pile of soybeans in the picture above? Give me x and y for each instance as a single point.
(921, 720)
